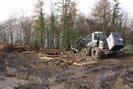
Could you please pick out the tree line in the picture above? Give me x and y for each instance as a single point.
(65, 24)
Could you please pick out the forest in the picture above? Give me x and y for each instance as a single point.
(65, 24)
(37, 51)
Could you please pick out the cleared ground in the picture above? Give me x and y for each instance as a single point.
(62, 70)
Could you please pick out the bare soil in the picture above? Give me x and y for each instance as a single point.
(29, 69)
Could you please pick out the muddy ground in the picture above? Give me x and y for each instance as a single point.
(37, 70)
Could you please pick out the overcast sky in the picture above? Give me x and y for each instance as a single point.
(18, 7)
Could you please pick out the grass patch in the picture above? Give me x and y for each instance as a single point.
(128, 49)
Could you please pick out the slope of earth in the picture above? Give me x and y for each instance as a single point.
(37, 70)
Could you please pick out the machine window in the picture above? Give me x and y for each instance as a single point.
(98, 36)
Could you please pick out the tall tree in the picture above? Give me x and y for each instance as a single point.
(26, 25)
(10, 25)
(116, 12)
(52, 30)
(3, 33)
(68, 13)
(39, 23)
(116, 17)
(52, 26)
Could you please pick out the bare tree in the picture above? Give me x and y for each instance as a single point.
(102, 14)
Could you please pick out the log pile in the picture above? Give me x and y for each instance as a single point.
(52, 51)
(23, 47)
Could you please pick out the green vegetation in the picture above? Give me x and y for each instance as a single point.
(128, 48)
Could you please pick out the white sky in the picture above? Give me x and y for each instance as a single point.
(18, 7)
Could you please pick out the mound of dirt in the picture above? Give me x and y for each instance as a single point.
(5, 47)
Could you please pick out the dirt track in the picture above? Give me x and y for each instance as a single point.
(41, 71)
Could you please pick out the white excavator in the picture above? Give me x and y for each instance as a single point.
(98, 46)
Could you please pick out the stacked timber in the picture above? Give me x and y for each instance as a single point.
(52, 51)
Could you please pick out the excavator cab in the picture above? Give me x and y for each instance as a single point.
(96, 40)
(97, 36)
